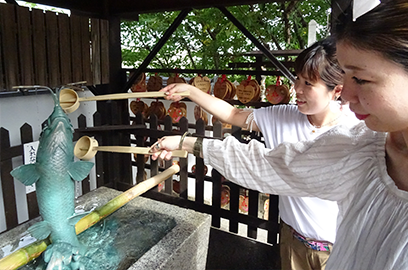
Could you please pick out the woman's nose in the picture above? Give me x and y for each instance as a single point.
(298, 88)
(349, 94)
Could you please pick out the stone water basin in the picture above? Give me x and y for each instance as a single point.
(143, 234)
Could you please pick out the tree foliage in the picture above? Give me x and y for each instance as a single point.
(206, 39)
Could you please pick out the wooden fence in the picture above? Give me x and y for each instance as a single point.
(46, 48)
(232, 214)
(144, 134)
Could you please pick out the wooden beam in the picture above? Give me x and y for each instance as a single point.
(124, 7)
(213, 71)
(183, 14)
(338, 8)
(128, 8)
(275, 52)
(268, 64)
(259, 45)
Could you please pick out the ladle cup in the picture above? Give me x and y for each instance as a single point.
(87, 147)
(69, 99)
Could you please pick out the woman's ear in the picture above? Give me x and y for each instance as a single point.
(337, 91)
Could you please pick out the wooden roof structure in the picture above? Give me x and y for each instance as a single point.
(116, 10)
(130, 9)
(112, 77)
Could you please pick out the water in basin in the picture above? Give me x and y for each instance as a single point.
(119, 240)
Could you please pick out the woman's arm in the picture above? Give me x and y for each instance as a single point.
(221, 109)
(328, 168)
(250, 165)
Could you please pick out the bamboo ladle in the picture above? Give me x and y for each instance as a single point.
(69, 99)
(87, 147)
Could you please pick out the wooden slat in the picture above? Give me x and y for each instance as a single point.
(76, 52)
(217, 184)
(253, 203)
(140, 141)
(24, 45)
(183, 163)
(168, 184)
(96, 51)
(234, 206)
(154, 164)
(273, 226)
(86, 54)
(13, 151)
(54, 70)
(65, 48)
(99, 159)
(121, 138)
(32, 204)
(2, 82)
(26, 134)
(104, 33)
(199, 197)
(235, 189)
(39, 47)
(9, 38)
(85, 183)
(7, 182)
(216, 199)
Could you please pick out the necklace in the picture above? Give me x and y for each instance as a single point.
(324, 125)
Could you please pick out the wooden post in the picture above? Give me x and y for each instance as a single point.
(7, 181)
(183, 163)
(26, 134)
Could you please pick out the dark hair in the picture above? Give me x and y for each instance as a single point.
(383, 30)
(319, 61)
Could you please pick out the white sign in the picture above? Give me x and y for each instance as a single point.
(30, 155)
(311, 36)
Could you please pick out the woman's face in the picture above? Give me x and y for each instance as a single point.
(312, 98)
(376, 88)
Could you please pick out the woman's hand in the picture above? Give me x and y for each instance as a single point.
(172, 90)
(163, 147)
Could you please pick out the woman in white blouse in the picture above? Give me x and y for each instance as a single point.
(364, 169)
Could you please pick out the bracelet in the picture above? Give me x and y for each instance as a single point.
(182, 139)
(198, 145)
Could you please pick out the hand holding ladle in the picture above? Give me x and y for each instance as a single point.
(87, 147)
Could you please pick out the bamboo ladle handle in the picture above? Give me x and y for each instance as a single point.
(69, 99)
(122, 199)
(87, 147)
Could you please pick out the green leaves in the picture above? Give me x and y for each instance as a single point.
(208, 40)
